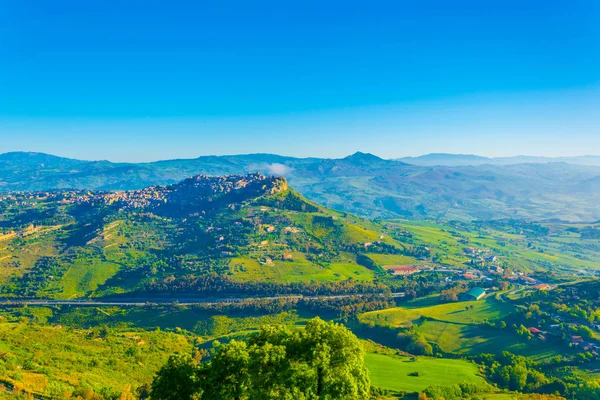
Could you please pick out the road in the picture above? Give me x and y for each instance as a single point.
(183, 301)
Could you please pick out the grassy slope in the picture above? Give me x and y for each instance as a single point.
(71, 358)
(393, 259)
(553, 251)
(342, 230)
(298, 270)
(489, 308)
(457, 330)
(393, 372)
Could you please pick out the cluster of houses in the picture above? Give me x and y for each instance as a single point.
(192, 189)
(480, 257)
(269, 260)
(576, 341)
(521, 278)
(573, 327)
(28, 199)
(407, 270)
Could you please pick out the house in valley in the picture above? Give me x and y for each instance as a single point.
(473, 294)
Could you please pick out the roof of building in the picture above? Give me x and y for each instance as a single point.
(543, 286)
(476, 292)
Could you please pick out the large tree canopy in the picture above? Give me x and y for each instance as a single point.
(324, 361)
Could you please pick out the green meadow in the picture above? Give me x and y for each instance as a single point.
(459, 329)
(297, 270)
(452, 313)
(399, 373)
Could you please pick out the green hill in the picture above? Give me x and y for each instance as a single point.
(203, 235)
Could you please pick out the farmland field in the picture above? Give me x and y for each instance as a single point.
(394, 372)
(297, 270)
(459, 330)
(455, 313)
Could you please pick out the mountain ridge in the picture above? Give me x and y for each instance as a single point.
(588, 159)
(361, 183)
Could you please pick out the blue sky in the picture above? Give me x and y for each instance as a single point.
(146, 80)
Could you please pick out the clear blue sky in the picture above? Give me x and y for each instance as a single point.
(144, 80)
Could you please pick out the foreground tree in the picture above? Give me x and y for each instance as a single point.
(226, 376)
(178, 379)
(324, 361)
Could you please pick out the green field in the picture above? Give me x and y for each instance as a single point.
(85, 275)
(297, 270)
(453, 313)
(393, 259)
(394, 372)
(459, 330)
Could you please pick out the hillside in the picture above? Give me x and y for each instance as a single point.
(203, 235)
(362, 183)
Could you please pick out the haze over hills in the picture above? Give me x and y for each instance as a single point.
(447, 159)
(360, 183)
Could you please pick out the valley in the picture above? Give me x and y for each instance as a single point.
(139, 275)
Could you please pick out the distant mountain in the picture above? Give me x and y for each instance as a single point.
(582, 160)
(361, 183)
(439, 159)
(588, 186)
(25, 161)
(434, 159)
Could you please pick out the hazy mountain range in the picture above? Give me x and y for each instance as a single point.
(471, 159)
(361, 183)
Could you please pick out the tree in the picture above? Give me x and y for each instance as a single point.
(449, 295)
(336, 356)
(518, 376)
(227, 374)
(323, 361)
(178, 379)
